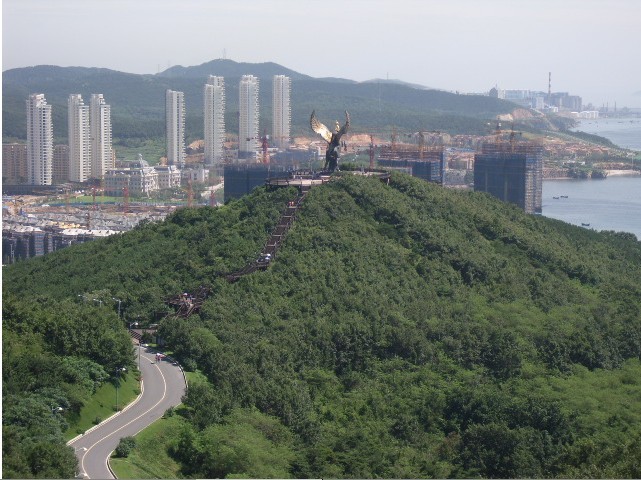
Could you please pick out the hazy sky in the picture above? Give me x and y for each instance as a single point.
(590, 46)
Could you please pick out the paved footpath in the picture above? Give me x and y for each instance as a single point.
(163, 386)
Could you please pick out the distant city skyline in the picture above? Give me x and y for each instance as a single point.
(79, 139)
(248, 116)
(281, 111)
(456, 45)
(214, 120)
(175, 127)
(39, 141)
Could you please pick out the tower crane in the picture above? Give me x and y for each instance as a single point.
(190, 194)
(264, 142)
(371, 152)
(512, 136)
(125, 194)
(93, 194)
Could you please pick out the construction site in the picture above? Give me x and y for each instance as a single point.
(31, 228)
(45, 221)
(511, 171)
(427, 163)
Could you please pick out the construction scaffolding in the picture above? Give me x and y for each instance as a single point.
(511, 171)
(242, 178)
(187, 303)
(421, 161)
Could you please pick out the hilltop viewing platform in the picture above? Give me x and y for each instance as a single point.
(302, 179)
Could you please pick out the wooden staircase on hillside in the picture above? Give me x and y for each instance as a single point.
(187, 303)
(268, 253)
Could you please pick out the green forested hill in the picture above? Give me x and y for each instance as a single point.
(138, 101)
(402, 331)
(56, 352)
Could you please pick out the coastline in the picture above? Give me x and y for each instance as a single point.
(605, 205)
(621, 173)
(622, 131)
(613, 173)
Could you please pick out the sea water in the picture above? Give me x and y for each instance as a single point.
(613, 203)
(624, 132)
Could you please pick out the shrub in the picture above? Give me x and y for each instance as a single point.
(125, 446)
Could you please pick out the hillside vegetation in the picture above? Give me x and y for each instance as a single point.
(56, 352)
(402, 331)
(138, 101)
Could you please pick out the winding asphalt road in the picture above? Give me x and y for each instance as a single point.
(163, 386)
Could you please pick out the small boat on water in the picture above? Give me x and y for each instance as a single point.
(555, 198)
(564, 196)
(585, 224)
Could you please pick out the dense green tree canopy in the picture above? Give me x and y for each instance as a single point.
(55, 353)
(402, 330)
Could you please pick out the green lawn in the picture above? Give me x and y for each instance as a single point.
(99, 199)
(107, 199)
(103, 404)
(150, 458)
(195, 377)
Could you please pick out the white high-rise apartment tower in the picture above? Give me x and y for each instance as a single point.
(101, 141)
(39, 140)
(248, 139)
(175, 119)
(214, 109)
(79, 135)
(282, 113)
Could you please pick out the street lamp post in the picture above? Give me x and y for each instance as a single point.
(118, 370)
(119, 302)
(135, 324)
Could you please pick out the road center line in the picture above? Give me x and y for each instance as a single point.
(82, 462)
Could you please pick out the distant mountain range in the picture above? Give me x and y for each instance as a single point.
(137, 101)
(232, 69)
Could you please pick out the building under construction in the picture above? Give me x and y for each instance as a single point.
(420, 161)
(242, 178)
(511, 171)
(22, 242)
(35, 230)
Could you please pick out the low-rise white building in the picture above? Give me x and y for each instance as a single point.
(168, 176)
(138, 177)
(197, 174)
(590, 114)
